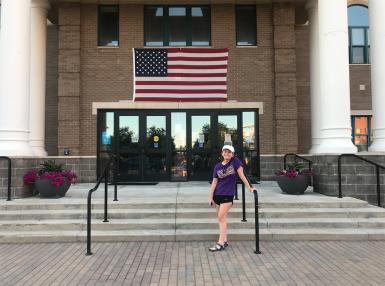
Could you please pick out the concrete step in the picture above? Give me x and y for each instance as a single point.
(191, 235)
(236, 212)
(166, 224)
(44, 204)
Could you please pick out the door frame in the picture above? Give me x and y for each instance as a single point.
(213, 113)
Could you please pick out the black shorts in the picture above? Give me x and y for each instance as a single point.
(218, 199)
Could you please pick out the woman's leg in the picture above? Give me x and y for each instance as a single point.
(222, 219)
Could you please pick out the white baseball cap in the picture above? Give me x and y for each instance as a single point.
(228, 147)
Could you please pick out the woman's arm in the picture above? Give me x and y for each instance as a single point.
(212, 189)
(244, 180)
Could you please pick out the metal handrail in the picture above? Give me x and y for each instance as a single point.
(105, 175)
(378, 167)
(256, 213)
(9, 175)
(256, 210)
(310, 162)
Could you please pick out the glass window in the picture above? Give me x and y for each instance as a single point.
(178, 146)
(154, 25)
(107, 131)
(246, 26)
(359, 42)
(250, 152)
(200, 26)
(177, 25)
(358, 15)
(361, 133)
(108, 32)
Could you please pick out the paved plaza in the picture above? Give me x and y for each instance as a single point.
(189, 263)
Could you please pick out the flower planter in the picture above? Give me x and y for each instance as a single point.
(28, 191)
(293, 185)
(48, 190)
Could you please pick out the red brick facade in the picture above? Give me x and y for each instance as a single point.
(274, 72)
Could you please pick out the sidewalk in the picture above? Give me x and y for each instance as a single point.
(189, 263)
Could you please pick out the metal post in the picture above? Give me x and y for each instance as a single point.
(378, 186)
(257, 251)
(339, 177)
(9, 179)
(106, 193)
(243, 203)
(89, 224)
(115, 179)
(236, 191)
(311, 177)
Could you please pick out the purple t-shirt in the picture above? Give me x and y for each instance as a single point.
(227, 177)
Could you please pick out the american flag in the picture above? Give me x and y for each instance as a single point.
(180, 74)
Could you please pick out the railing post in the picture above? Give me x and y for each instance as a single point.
(106, 193)
(115, 179)
(89, 224)
(257, 251)
(243, 203)
(311, 177)
(284, 162)
(339, 177)
(378, 186)
(9, 178)
(236, 191)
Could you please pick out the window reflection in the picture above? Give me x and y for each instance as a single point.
(227, 128)
(250, 154)
(178, 145)
(108, 30)
(361, 132)
(359, 42)
(177, 26)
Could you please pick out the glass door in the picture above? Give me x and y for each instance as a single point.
(228, 131)
(155, 148)
(202, 147)
(129, 164)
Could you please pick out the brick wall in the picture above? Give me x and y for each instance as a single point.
(106, 73)
(85, 168)
(286, 111)
(303, 88)
(51, 101)
(358, 178)
(69, 78)
(360, 99)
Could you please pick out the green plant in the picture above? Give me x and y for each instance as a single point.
(50, 166)
(295, 166)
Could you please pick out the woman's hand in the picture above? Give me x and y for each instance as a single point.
(252, 189)
(211, 202)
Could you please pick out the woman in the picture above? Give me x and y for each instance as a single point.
(223, 189)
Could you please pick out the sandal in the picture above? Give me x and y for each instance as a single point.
(225, 244)
(217, 247)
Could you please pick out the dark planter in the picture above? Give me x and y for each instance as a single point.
(293, 186)
(48, 190)
(28, 191)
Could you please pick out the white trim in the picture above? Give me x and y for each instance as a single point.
(128, 104)
(361, 112)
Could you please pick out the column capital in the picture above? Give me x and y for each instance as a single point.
(42, 4)
(311, 4)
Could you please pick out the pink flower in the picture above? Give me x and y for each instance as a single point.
(30, 177)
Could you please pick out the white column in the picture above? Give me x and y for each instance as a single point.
(334, 76)
(39, 10)
(315, 94)
(377, 56)
(14, 78)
